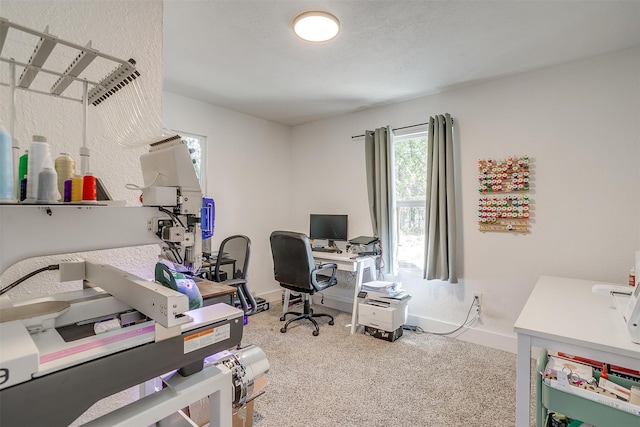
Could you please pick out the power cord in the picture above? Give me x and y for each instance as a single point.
(172, 215)
(419, 330)
(28, 276)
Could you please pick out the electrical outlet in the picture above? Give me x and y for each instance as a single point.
(477, 299)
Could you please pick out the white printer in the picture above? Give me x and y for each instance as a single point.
(383, 306)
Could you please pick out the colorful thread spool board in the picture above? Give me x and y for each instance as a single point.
(507, 213)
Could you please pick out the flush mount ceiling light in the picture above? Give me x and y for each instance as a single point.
(316, 26)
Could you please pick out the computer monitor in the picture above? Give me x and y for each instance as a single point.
(328, 227)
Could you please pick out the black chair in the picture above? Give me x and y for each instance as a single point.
(295, 269)
(231, 269)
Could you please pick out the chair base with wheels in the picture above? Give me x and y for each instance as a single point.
(306, 314)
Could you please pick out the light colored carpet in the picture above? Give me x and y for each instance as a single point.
(338, 379)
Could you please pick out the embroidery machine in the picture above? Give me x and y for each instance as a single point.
(55, 362)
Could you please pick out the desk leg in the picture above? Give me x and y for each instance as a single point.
(523, 380)
(356, 291)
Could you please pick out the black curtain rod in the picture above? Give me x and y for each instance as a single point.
(404, 127)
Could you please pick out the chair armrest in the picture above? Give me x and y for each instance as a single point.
(247, 300)
(233, 282)
(328, 266)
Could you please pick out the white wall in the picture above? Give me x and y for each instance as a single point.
(121, 28)
(578, 122)
(248, 163)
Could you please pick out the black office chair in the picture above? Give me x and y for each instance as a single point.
(295, 269)
(231, 269)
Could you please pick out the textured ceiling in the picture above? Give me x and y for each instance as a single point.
(242, 55)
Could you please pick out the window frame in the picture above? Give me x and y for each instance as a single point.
(399, 136)
(203, 157)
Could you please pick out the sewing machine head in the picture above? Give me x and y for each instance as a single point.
(172, 185)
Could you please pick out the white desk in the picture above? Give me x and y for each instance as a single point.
(346, 262)
(353, 263)
(565, 315)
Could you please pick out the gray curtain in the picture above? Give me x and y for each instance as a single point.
(381, 191)
(440, 242)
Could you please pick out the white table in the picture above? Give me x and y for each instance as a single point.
(565, 315)
(346, 262)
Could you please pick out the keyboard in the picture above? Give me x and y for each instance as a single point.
(331, 250)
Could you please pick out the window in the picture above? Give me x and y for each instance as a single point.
(196, 145)
(410, 151)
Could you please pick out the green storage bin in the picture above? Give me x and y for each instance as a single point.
(576, 407)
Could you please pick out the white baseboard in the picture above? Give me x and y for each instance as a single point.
(272, 296)
(334, 301)
(469, 334)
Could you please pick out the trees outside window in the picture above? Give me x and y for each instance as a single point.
(196, 145)
(410, 153)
